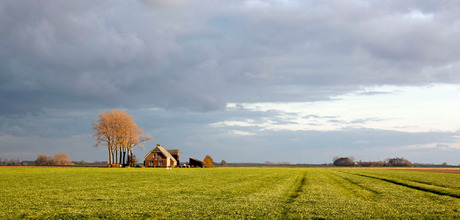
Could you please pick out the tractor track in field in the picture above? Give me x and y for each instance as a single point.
(338, 181)
(294, 193)
(411, 186)
(297, 189)
(434, 184)
(374, 192)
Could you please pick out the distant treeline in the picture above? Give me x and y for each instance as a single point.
(389, 162)
(63, 159)
(273, 165)
(58, 159)
(9, 162)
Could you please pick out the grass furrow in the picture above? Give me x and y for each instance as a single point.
(418, 185)
(444, 180)
(356, 183)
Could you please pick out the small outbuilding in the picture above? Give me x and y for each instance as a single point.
(195, 162)
(160, 157)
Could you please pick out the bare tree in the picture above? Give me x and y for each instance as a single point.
(41, 159)
(57, 159)
(13, 162)
(61, 159)
(118, 131)
(132, 160)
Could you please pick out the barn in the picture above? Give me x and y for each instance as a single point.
(160, 157)
(195, 162)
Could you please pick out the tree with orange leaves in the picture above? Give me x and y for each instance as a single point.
(208, 162)
(120, 133)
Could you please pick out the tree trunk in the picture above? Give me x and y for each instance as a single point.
(132, 158)
(110, 159)
(120, 156)
(133, 162)
(116, 156)
(124, 157)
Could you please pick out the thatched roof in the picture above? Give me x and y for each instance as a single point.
(162, 150)
(173, 151)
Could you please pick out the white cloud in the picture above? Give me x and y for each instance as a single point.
(406, 109)
(246, 123)
(240, 133)
(416, 14)
(440, 146)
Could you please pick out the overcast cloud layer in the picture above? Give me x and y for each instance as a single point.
(181, 67)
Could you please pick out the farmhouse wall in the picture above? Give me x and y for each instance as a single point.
(158, 161)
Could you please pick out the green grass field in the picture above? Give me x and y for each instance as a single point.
(222, 193)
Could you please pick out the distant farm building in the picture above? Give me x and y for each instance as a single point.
(160, 157)
(195, 162)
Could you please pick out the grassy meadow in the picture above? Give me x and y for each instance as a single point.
(222, 193)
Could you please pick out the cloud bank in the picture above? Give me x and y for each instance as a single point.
(63, 62)
(202, 55)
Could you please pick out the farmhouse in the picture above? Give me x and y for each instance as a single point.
(160, 157)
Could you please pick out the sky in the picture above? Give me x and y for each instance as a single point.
(243, 81)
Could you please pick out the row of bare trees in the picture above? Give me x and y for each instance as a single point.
(58, 159)
(117, 130)
(9, 162)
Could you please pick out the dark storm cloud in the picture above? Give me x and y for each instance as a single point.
(61, 62)
(201, 55)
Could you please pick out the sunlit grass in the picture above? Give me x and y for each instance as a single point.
(343, 194)
(238, 193)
